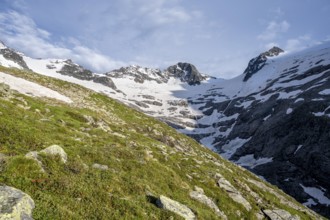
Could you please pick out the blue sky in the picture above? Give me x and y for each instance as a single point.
(218, 36)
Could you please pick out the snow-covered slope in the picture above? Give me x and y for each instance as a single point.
(29, 88)
(273, 119)
(276, 123)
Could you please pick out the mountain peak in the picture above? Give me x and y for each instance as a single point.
(274, 51)
(259, 62)
(2, 45)
(187, 72)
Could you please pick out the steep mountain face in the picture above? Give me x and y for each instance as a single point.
(67, 152)
(258, 62)
(277, 124)
(273, 119)
(186, 72)
(11, 57)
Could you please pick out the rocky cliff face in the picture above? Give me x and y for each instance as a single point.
(186, 72)
(12, 55)
(258, 62)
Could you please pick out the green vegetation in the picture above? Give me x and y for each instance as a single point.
(145, 157)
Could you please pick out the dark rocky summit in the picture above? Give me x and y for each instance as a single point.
(186, 72)
(138, 74)
(72, 69)
(259, 62)
(75, 70)
(14, 56)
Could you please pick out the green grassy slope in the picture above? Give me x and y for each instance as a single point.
(144, 156)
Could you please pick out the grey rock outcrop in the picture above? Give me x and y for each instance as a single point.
(176, 207)
(139, 74)
(72, 69)
(15, 204)
(76, 71)
(279, 214)
(199, 195)
(106, 81)
(233, 193)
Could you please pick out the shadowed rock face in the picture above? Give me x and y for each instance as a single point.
(10, 54)
(75, 70)
(259, 62)
(186, 72)
(79, 72)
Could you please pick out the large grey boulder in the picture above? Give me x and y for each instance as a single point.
(176, 207)
(14, 204)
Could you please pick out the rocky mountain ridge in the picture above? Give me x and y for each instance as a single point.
(273, 119)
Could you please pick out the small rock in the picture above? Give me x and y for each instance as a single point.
(100, 166)
(2, 161)
(14, 204)
(34, 156)
(4, 90)
(2, 157)
(56, 150)
(176, 207)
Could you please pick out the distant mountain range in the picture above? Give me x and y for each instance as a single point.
(274, 119)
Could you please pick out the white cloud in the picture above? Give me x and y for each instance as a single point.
(273, 30)
(167, 16)
(270, 45)
(22, 32)
(98, 61)
(299, 43)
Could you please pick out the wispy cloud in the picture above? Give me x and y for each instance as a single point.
(21, 31)
(273, 30)
(299, 43)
